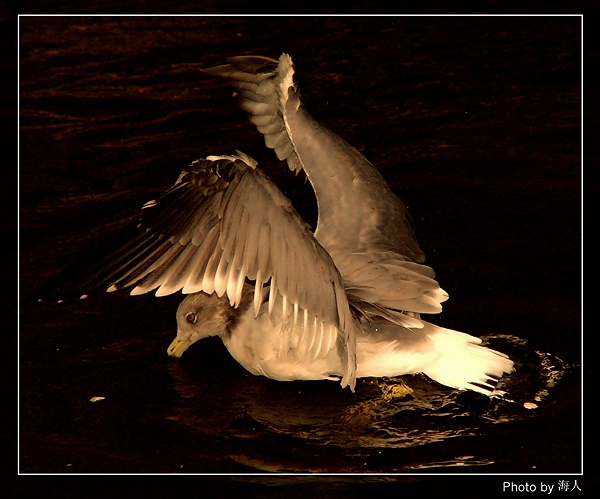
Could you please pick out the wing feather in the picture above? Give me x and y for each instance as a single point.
(203, 254)
(224, 222)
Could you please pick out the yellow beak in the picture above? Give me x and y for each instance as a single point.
(178, 346)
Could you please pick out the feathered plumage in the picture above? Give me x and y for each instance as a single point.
(344, 302)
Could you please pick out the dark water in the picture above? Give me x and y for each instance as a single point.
(475, 123)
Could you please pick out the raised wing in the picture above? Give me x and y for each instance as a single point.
(365, 227)
(357, 209)
(224, 222)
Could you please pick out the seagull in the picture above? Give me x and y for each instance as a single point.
(342, 303)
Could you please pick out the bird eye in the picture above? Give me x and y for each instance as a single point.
(191, 317)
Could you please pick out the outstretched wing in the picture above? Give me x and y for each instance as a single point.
(357, 209)
(223, 222)
(365, 227)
